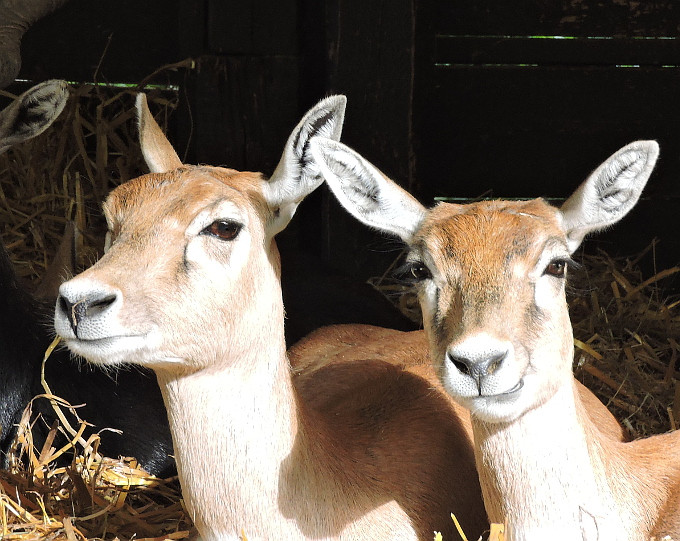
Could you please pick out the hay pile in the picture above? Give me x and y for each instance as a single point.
(627, 333)
(60, 177)
(95, 497)
(63, 175)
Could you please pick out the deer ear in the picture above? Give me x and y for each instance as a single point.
(365, 192)
(297, 174)
(610, 192)
(158, 153)
(32, 112)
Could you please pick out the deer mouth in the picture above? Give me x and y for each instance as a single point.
(108, 349)
(515, 389)
(505, 394)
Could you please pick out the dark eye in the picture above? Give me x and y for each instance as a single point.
(223, 229)
(419, 271)
(557, 268)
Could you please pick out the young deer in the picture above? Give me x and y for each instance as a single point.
(491, 282)
(189, 286)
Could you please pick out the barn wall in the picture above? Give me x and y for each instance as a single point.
(524, 99)
(455, 98)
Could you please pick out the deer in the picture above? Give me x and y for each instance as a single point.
(190, 287)
(490, 278)
(128, 401)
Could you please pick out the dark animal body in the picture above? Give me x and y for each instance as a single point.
(128, 399)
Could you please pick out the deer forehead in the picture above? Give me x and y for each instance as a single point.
(481, 245)
(180, 196)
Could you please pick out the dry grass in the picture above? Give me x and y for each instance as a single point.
(46, 183)
(62, 175)
(95, 497)
(627, 333)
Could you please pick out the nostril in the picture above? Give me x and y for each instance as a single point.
(64, 304)
(462, 364)
(66, 308)
(494, 363)
(86, 307)
(478, 366)
(96, 306)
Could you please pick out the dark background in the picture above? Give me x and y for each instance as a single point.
(450, 98)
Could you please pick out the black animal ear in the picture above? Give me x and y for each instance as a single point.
(32, 112)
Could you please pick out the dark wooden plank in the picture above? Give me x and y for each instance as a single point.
(369, 51)
(551, 51)
(259, 27)
(243, 109)
(369, 47)
(126, 39)
(537, 131)
(557, 17)
(276, 27)
(230, 26)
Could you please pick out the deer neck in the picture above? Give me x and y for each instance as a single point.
(251, 458)
(551, 471)
(233, 423)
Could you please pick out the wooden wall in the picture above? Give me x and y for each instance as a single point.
(524, 99)
(455, 98)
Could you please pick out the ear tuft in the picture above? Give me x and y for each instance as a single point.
(365, 192)
(158, 153)
(610, 192)
(324, 119)
(325, 122)
(297, 174)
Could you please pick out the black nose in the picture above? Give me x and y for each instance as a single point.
(478, 368)
(77, 311)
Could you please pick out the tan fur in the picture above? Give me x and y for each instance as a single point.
(483, 255)
(346, 447)
(491, 282)
(363, 342)
(353, 436)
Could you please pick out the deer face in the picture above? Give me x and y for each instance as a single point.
(191, 278)
(491, 284)
(491, 275)
(188, 251)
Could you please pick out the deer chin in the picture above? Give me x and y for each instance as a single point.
(498, 407)
(115, 350)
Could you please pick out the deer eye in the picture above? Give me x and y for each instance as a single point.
(557, 268)
(419, 271)
(223, 229)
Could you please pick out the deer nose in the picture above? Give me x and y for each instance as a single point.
(475, 366)
(77, 310)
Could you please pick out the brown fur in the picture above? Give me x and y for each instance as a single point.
(360, 448)
(347, 343)
(482, 255)
(365, 426)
